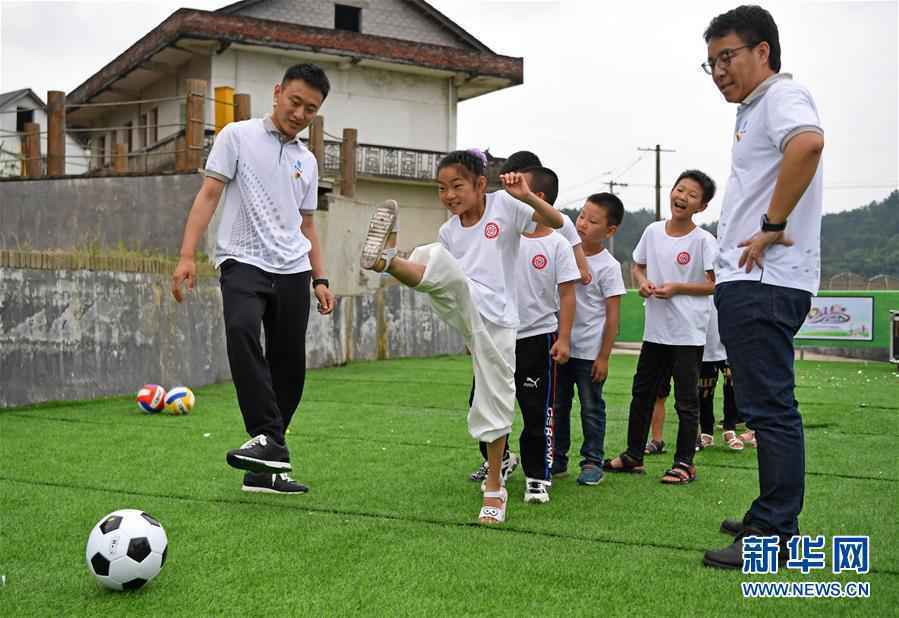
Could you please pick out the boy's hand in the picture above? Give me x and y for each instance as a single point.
(757, 245)
(186, 270)
(586, 277)
(325, 299)
(665, 291)
(560, 351)
(516, 185)
(647, 288)
(600, 370)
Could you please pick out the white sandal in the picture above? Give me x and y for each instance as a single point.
(748, 438)
(733, 442)
(496, 513)
(383, 225)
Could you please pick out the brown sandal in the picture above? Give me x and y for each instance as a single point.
(629, 465)
(679, 474)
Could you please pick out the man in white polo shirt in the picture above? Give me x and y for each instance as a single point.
(769, 262)
(268, 253)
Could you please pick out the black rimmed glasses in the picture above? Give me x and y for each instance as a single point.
(724, 58)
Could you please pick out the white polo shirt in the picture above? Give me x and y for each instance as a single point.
(775, 112)
(269, 181)
(543, 264)
(591, 301)
(488, 254)
(683, 318)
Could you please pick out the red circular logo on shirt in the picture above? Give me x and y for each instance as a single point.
(683, 258)
(539, 261)
(491, 230)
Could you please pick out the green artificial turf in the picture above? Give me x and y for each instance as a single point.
(388, 528)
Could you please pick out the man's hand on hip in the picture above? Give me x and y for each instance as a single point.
(755, 247)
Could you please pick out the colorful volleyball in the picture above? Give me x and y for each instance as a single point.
(151, 398)
(179, 400)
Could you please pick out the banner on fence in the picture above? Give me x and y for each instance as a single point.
(839, 317)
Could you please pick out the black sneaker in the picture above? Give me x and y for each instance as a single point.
(265, 483)
(260, 454)
(480, 474)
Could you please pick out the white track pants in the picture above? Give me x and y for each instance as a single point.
(492, 346)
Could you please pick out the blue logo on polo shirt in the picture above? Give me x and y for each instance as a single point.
(297, 168)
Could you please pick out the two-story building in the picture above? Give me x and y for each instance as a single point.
(398, 70)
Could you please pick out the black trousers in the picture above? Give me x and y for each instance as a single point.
(535, 390)
(658, 361)
(270, 385)
(708, 380)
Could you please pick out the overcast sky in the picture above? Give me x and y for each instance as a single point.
(602, 79)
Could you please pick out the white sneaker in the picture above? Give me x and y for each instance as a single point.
(509, 465)
(536, 491)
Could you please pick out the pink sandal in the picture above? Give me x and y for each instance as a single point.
(748, 438)
(733, 442)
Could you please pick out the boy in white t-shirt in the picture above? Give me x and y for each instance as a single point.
(524, 160)
(470, 278)
(714, 360)
(673, 265)
(546, 279)
(595, 327)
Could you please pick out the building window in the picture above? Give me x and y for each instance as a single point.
(154, 126)
(22, 116)
(347, 18)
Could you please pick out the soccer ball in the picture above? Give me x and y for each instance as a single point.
(126, 549)
(151, 398)
(179, 400)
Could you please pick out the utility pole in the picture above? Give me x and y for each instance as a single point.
(658, 150)
(612, 185)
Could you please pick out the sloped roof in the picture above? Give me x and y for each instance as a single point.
(480, 71)
(439, 19)
(13, 96)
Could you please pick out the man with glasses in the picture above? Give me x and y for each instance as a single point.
(769, 262)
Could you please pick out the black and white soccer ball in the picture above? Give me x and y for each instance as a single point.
(126, 549)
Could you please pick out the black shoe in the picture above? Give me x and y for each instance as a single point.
(260, 454)
(265, 483)
(731, 557)
(732, 527)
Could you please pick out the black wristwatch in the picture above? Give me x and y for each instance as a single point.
(318, 282)
(767, 226)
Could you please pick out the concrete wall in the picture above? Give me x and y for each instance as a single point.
(389, 108)
(147, 213)
(138, 212)
(390, 18)
(84, 334)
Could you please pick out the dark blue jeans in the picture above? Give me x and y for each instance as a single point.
(757, 323)
(576, 372)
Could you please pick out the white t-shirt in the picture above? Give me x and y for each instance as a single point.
(714, 350)
(767, 119)
(488, 254)
(268, 183)
(569, 231)
(681, 319)
(590, 312)
(543, 263)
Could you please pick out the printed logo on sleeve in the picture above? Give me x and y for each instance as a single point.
(539, 261)
(491, 230)
(683, 258)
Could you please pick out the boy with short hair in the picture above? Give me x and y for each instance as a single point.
(597, 312)
(673, 265)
